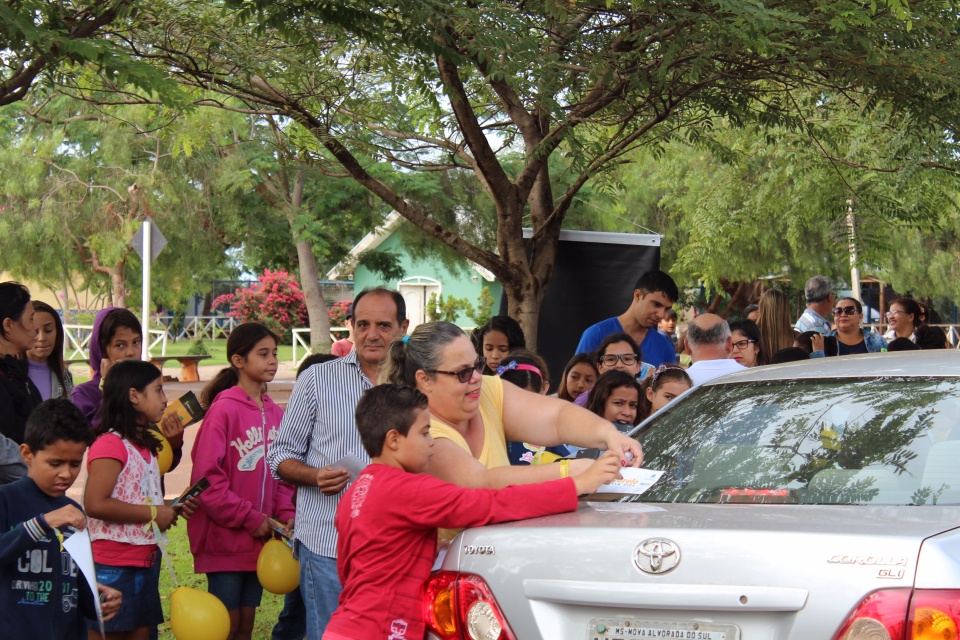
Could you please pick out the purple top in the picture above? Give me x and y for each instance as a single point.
(40, 373)
(87, 396)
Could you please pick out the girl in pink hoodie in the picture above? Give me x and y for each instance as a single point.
(230, 527)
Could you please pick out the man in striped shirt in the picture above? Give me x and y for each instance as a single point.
(318, 430)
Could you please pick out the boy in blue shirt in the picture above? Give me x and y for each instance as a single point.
(42, 592)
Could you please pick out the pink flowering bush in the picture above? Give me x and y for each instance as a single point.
(338, 313)
(276, 300)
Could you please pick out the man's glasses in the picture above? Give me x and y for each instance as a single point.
(610, 359)
(464, 375)
(845, 311)
(740, 345)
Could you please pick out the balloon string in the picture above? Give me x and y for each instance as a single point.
(162, 543)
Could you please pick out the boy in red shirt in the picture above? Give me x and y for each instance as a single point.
(387, 521)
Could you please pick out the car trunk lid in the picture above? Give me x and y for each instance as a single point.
(720, 571)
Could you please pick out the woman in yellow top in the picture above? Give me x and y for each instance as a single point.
(473, 415)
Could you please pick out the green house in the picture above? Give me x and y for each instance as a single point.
(425, 279)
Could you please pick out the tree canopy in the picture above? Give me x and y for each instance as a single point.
(457, 86)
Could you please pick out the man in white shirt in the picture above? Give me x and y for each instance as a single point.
(709, 345)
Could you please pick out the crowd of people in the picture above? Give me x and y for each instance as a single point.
(386, 448)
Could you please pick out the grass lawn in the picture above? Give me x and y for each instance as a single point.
(218, 351)
(178, 548)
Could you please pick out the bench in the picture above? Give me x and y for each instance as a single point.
(188, 366)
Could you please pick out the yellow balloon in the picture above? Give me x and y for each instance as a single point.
(276, 568)
(198, 615)
(165, 454)
(544, 457)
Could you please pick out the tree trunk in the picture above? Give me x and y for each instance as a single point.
(309, 278)
(118, 290)
(524, 307)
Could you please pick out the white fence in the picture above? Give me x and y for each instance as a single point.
(76, 344)
(207, 327)
(299, 344)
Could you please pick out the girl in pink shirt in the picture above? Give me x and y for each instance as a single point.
(231, 525)
(123, 499)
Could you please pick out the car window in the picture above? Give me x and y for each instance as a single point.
(835, 441)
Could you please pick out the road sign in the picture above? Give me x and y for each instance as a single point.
(157, 241)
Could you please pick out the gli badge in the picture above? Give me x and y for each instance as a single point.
(657, 556)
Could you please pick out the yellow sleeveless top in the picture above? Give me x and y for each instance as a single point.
(494, 451)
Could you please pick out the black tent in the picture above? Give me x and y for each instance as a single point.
(592, 280)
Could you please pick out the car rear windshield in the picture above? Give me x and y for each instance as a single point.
(836, 441)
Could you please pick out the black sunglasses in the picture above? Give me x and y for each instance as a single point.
(839, 311)
(464, 375)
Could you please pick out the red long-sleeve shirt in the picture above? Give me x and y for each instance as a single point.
(387, 524)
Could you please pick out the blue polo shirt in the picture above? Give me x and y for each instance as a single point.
(656, 348)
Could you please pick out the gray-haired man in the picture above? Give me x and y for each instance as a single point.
(820, 299)
(709, 345)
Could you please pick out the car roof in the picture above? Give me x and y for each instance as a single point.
(924, 364)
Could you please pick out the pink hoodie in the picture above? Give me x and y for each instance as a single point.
(231, 452)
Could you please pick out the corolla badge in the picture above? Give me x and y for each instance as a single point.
(656, 555)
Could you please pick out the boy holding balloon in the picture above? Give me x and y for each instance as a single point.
(387, 521)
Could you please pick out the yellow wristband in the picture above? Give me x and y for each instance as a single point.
(153, 514)
(564, 468)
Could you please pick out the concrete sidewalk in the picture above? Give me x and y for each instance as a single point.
(176, 481)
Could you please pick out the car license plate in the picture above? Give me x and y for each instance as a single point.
(628, 628)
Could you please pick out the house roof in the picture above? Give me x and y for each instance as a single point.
(373, 240)
(369, 242)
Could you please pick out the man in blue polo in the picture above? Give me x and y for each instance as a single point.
(654, 293)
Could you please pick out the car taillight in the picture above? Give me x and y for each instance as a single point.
(934, 614)
(904, 614)
(461, 606)
(882, 615)
(438, 598)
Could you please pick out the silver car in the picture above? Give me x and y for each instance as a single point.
(813, 500)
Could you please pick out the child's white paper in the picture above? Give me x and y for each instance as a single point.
(635, 481)
(78, 546)
(352, 464)
(624, 507)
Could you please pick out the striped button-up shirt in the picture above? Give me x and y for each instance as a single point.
(319, 429)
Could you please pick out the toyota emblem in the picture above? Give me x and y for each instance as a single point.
(657, 556)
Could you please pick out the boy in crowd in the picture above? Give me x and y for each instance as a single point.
(42, 592)
(387, 521)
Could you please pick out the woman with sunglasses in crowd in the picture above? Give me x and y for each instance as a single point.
(472, 416)
(851, 337)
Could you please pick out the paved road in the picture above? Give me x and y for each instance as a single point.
(179, 479)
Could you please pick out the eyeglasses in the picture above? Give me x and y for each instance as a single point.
(893, 313)
(610, 359)
(464, 375)
(848, 311)
(742, 344)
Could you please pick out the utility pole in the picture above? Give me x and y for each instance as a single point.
(854, 269)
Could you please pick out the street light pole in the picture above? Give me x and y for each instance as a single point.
(854, 269)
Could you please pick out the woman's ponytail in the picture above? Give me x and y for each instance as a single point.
(393, 369)
(422, 349)
(241, 342)
(227, 378)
